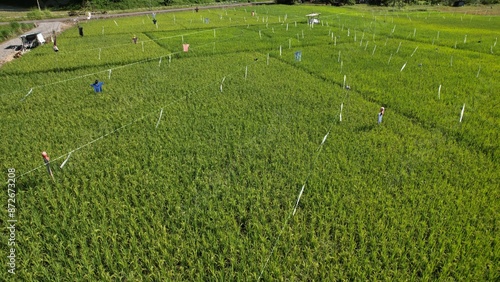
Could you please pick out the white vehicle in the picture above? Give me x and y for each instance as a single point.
(313, 18)
(32, 40)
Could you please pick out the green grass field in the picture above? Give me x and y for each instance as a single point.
(189, 165)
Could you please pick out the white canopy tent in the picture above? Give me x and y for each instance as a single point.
(313, 18)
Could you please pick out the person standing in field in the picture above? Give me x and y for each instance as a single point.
(381, 114)
(97, 85)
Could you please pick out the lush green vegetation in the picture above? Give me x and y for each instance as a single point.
(189, 164)
(134, 4)
(107, 4)
(13, 29)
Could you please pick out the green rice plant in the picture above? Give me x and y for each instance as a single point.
(206, 189)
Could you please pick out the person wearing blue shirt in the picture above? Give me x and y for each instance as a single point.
(381, 114)
(97, 86)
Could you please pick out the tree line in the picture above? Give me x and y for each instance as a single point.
(130, 4)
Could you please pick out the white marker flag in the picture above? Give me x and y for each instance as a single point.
(341, 107)
(462, 113)
(66, 160)
(29, 92)
(222, 83)
(403, 67)
(414, 51)
(159, 118)
(324, 139)
(298, 199)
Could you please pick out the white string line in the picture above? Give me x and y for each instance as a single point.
(111, 132)
(85, 145)
(318, 151)
(162, 38)
(144, 60)
(173, 36)
(128, 44)
(118, 67)
(134, 121)
(106, 70)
